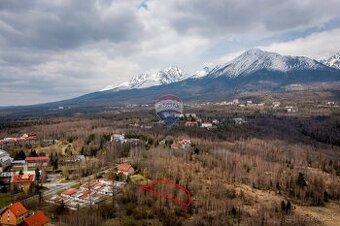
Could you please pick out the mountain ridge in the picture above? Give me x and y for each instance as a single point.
(247, 63)
(145, 80)
(205, 86)
(256, 59)
(333, 61)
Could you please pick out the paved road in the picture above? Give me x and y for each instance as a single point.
(60, 187)
(54, 188)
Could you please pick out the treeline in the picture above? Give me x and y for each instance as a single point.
(322, 129)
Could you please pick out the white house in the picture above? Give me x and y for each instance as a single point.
(5, 159)
(276, 104)
(291, 109)
(236, 102)
(120, 138)
(206, 125)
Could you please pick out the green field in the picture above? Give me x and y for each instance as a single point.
(5, 199)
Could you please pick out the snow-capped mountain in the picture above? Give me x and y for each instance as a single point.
(247, 64)
(255, 59)
(252, 71)
(333, 61)
(165, 76)
(199, 74)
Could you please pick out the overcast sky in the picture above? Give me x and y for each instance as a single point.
(58, 49)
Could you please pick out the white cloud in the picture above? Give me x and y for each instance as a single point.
(319, 45)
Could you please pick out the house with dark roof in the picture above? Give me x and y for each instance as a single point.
(36, 219)
(14, 214)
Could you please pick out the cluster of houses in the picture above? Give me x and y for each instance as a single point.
(23, 179)
(27, 138)
(192, 120)
(236, 102)
(288, 109)
(120, 138)
(250, 103)
(328, 104)
(29, 162)
(291, 109)
(17, 214)
(5, 160)
(199, 123)
(88, 194)
(137, 125)
(92, 193)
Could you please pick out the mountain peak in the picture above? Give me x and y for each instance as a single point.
(254, 51)
(201, 73)
(333, 61)
(256, 59)
(165, 76)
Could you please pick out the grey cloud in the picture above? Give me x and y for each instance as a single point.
(44, 24)
(237, 17)
(60, 49)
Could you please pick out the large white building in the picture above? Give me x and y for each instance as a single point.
(5, 159)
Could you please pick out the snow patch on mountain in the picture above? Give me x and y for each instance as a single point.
(201, 73)
(333, 61)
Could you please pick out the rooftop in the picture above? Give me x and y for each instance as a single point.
(17, 209)
(124, 167)
(39, 158)
(22, 178)
(70, 191)
(36, 219)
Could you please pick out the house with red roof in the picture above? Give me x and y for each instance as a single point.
(22, 181)
(36, 219)
(191, 123)
(14, 214)
(126, 169)
(69, 192)
(37, 161)
(184, 143)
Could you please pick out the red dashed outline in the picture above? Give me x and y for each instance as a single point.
(148, 188)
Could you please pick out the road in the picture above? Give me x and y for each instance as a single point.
(55, 187)
(59, 187)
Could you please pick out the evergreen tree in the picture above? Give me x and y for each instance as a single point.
(37, 174)
(301, 181)
(283, 205)
(20, 155)
(288, 207)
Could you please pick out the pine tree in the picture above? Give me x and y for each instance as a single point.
(301, 181)
(288, 207)
(283, 205)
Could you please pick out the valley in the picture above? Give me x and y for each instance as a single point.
(255, 158)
